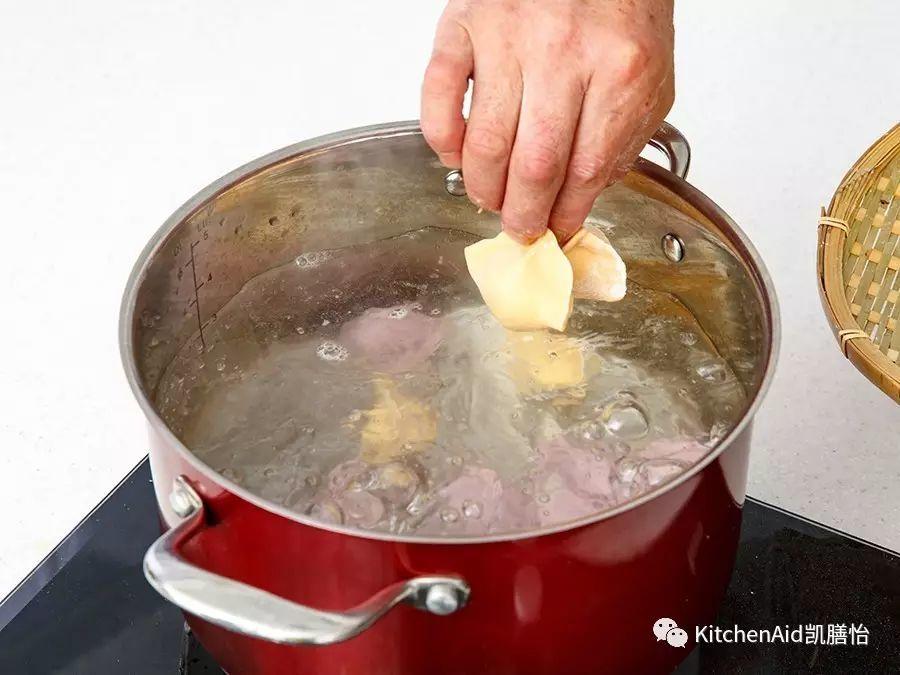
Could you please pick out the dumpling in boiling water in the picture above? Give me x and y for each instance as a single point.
(392, 339)
(466, 505)
(396, 425)
(544, 361)
(574, 482)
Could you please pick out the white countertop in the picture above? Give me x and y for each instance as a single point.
(114, 113)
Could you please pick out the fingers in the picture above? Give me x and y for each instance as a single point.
(490, 133)
(602, 133)
(611, 133)
(547, 124)
(443, 91)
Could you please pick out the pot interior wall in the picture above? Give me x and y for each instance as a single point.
(353, 192)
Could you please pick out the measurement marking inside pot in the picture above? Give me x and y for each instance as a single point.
(196, 301)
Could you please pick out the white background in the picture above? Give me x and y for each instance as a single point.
(113, 113)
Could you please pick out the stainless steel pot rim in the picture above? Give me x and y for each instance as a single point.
(323, 143)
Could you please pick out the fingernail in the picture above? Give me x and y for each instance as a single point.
(524, 235)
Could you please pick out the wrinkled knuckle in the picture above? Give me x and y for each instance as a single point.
(438, 135)
(587, 170)
(540, 166)
(486, 143)
(633, 59)
(442, 75)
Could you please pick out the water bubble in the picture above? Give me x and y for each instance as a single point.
(232, 474)
(346, 476)
(627, 470)
(718, 431)
(220, 366)
(471, 509)
(543, 498)
(614, 449)
(395, 483)
(332, 351)
(435, 312)
(398, 313)
(362, 508)
(311, 259)
(713, 371)
(300, 330)
(625, 419)
(449, 515)
(420, 504)
(327, 511)
(658, 472)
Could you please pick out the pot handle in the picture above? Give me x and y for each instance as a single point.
(672, 143)
(252, 611)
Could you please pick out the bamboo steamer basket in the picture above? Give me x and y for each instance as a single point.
(859, 263)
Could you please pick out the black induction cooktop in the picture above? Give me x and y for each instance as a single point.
(86, 608)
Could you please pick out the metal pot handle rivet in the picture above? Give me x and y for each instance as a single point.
(673, 247)
(454, 184)
(252, 611)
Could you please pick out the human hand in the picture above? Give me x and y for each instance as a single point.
(566, 94)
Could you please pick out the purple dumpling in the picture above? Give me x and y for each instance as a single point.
(392, 339)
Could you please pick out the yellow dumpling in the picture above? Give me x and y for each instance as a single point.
(543, 361)
(395, 425)
(598, 271)
(526, 287)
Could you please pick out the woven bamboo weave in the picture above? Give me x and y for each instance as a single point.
(859, 263)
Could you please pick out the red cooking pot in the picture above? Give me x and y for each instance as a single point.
(267, 590)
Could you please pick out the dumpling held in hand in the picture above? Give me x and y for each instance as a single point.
(598, 271)
(528, 287)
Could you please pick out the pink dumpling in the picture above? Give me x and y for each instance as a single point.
(466, 505)
(516, 512)
(582, 471)
(392, 339)
(564, 505)
(574, 483)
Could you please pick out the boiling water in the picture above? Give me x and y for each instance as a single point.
(372, 388)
